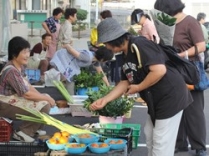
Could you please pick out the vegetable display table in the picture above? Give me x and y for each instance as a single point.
(87, 153)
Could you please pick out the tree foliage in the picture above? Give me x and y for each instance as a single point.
(81, 14)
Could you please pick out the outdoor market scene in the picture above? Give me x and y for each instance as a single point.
(104, 77)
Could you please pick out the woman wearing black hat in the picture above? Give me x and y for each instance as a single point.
(145, 72)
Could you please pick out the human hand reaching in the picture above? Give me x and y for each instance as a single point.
(132, 89)
(51, 101)
(64, 45)
(98, 104)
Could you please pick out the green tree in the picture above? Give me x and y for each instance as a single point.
(81, 16)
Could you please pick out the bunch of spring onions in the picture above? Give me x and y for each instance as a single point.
(63, 91)
(44, 118)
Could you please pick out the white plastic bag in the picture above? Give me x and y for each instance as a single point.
(51, 75)
(165, 32)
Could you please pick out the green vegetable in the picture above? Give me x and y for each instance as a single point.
(63, 91)
(132, 31)
(88, 79)
(115, 108)
(44, 118)
(166, 19)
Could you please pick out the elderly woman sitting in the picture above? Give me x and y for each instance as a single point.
(17, 93)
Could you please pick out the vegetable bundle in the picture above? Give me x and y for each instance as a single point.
(63, 91)
(44, 118)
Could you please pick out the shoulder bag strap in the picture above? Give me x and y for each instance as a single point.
(135, 49)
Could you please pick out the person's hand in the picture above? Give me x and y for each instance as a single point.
(64, 45)
(98, 104)
(51, 101)
(132, 89)
(180, 54)
(67, 45)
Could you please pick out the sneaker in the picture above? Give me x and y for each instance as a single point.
(41, 132)
(200, 152)
(21, 136)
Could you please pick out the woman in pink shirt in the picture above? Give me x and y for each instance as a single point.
(148, 29)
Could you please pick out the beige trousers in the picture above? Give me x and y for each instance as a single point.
(29, 128)
(161, 138)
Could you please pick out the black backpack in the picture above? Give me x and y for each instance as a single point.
(185, 67)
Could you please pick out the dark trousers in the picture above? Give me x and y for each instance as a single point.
(193, 126)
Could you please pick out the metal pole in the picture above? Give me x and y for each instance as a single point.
(97, 9)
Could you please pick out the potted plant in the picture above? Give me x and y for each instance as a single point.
(86, 80)
(114, 110)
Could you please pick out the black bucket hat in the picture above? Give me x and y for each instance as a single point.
(108, 30)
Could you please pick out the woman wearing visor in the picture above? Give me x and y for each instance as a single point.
(148, 29)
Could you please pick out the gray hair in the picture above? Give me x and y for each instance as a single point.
(200, 16)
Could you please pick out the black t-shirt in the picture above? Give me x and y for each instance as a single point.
(169, 95)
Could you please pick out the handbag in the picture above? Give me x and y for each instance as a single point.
(204, 82)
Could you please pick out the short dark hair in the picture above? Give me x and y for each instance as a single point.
(70, 12)
(170, 7)
(200, 16)
(57, 11)
(120, 40)
(134, 17)
(103, 54)
(15, 46)
(45, 35)
(105, 14)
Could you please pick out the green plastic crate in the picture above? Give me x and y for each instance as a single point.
(136, 131)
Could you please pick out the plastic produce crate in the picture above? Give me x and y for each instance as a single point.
(33, 75)
(5, 130)
(16, 148)
(136, 131)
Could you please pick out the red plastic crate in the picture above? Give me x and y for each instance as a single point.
(5, 130)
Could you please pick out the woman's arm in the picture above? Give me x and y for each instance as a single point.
(23, 89)
(44, 25)
(34, 95)
(191, 51)
(71, 50)
(118, 91)
(100, 70)
(155, 74)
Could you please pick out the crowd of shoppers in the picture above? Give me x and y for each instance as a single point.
(175, 113)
